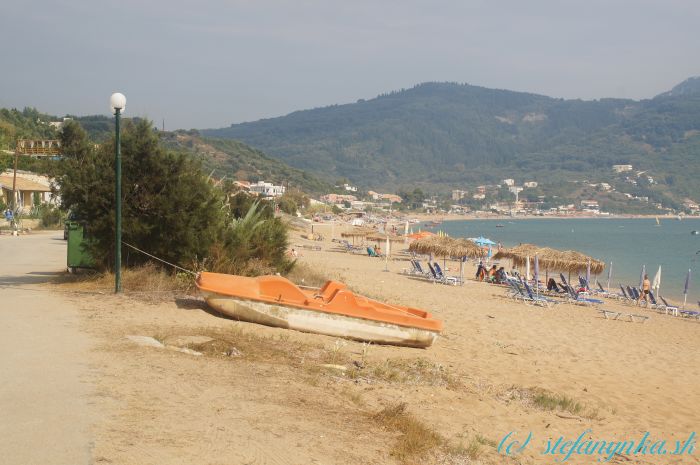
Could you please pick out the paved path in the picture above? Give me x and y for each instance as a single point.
(44, 416)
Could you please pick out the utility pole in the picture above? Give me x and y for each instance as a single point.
(14, 186)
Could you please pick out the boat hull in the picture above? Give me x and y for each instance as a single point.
(311, 321)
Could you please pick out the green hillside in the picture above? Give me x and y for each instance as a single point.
(446, 135)
(236, 160)
(226, 158)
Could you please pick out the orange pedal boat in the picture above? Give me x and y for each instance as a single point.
(333, 309)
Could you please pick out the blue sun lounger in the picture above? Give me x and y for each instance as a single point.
(666, 307)
(538, 300)
(574, 297)
(439, 272)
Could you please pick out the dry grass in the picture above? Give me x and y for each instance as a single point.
(305, 275)
(145, 282)
(418, 371)
(416, 441)
(550, 401)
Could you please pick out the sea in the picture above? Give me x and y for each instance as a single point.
(628, 243)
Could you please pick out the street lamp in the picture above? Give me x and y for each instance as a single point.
(117, 102)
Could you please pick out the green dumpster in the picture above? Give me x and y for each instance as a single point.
(78, 256)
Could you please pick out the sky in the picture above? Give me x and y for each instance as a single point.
(210, 63)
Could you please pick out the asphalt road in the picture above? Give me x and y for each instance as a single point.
(44, 412)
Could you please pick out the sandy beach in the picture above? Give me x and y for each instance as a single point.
(266, 395)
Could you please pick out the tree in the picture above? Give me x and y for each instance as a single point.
(169, 209)
(252, 244)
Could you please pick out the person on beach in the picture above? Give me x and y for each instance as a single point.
(646, 288)
(551, 285)
(501, 276)
(492, 274)
(480, 272)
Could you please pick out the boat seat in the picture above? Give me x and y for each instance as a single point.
(281, 290)
(328, 289)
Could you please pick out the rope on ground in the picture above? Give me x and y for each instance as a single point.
(159, 259)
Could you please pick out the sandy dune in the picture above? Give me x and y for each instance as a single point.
(273, 402)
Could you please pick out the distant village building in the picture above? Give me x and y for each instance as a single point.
(692, 206)
(389, 197)
(481, 189)
(479, 196)
(605, 186)
(530, 184)
(621, 168)
(458, 194)
(349, 188)
(335, 199)
(241, 185)
(29, 187)
(508, 182)
(590, 206)
(267, 189)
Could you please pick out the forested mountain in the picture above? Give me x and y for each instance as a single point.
(235, 160)
(450, 135)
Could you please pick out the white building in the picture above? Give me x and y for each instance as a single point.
(621, 168)
(508, 182)
(458, 194)
(267, 189)
(530, 184)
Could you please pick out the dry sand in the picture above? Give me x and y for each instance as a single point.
(275, 403)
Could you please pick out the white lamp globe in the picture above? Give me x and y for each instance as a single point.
(117, 102)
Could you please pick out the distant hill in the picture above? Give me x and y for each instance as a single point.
(226, 158)
(236, 160)
(687, 87)
(444, 135)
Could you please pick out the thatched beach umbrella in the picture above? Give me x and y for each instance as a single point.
(550, 259)
(383, 237)
(358, 232)
(445, 247)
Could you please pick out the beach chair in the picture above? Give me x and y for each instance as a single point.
(439, 272)
(575, 297)
(372, 253)
(666, 307)
(538, 300)
(441, 278)
(652, 304)
(615, 315)
(601, 291)
(626, 298)
(349, 247)
(515, 292)
(689, 314)
(415, 269)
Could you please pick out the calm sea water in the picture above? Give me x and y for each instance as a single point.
(628, 243)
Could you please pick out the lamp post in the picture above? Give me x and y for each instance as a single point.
(117, 103)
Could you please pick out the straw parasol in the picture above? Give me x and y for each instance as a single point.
(444, 246)
(382, 237)
(552, 259)
(358, 232)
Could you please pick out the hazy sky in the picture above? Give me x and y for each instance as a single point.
(209, 63)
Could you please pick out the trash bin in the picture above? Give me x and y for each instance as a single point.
(78, 255)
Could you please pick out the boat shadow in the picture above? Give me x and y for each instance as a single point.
(197, 303)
